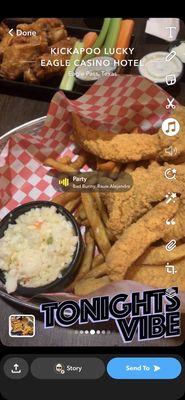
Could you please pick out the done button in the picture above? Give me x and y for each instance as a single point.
(144, 368)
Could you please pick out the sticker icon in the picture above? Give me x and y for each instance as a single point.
(170, 127)
(170, 79)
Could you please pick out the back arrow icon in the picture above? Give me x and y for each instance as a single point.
(10, 32)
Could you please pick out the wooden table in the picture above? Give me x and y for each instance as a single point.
(15, 111)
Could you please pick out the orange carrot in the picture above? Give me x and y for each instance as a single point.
(38, 224)
(126, 30)
(89, 39)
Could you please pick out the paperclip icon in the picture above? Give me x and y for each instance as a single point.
(170, 56)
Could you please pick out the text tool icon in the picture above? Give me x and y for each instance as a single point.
(171, 245)
(171, 151)
(170, 269)
(170, 221)
(171, 31)
(170, 104)
(170, 79)
(170, 127)
(170, 197)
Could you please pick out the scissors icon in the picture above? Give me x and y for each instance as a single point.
(170, 104)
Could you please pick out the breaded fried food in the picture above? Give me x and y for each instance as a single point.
(156, 276)
(122, 147)
(177, 231)
(157, 255)
(90, 285)
(137, 238)
(150, 186)
(127, 147)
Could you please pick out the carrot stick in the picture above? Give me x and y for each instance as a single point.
(126, 30)
(89, 39)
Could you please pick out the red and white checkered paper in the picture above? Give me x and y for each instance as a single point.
(116, 103)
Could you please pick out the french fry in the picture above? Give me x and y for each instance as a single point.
(98, 260)
(96, 223)
(103, 214)
(80, 161)
(82, 213)
(98, 272)
(65, 197)
(115, 171)
(86, 263)
(106, 165)
(100, 206)
(85, 222)
(90, 285)
(72, 204)
(88, 256)
(60, 167)
(64, 160)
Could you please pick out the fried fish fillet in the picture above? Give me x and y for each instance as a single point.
(137, 238)
(127, 147)
(177, 231)
(149, 187)
(157, 255)
(156, 276)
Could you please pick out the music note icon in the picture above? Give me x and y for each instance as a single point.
(170, 127)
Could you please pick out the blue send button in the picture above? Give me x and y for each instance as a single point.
(144, 368)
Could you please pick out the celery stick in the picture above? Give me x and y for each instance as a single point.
(101, 37)
(112, 34)
(68, 79)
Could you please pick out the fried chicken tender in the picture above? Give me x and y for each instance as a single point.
(125, 147)
(150, 186)
(137, 238)
(156, 276)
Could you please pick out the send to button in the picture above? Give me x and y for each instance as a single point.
(144, 368)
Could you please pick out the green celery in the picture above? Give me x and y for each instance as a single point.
(101, 37)
(112, 34)
(68, 79)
